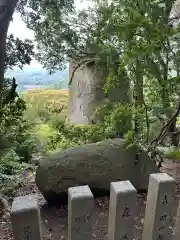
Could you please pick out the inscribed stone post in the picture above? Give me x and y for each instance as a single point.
(177, 224)
(80, 211)
(25, 218)
(159, 207)
(121, 211)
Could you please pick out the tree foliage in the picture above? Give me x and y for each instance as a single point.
(18, 52)
(137, 41)
(48, 20)
(61, 31)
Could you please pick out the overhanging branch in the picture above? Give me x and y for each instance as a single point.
(164, 129)
(85, 61)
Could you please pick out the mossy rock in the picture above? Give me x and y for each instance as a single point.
(96, 165)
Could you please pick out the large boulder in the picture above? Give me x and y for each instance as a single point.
(96, 165)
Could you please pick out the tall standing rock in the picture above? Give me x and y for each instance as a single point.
(86, 92)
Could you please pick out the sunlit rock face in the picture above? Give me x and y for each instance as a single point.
(86, 92)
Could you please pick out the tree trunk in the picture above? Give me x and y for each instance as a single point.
(173, 135)
(138, 94)
(2, 57)
(7, 8)
(169, 113)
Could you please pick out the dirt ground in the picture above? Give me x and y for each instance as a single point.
(54, 219)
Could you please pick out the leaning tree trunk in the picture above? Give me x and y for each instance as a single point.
(174, 138)
(7, 8)
(138, 93)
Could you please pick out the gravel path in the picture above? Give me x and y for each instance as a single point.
(54, 219)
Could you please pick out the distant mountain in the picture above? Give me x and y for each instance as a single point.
(31, 77)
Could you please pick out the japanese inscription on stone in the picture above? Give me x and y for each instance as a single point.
(160, 237)
(158, 207)
(124, 237)
(26, 233)
(126, 212)
(121, 210)
(165, 200)
(25, 218)
(80, 220)
(163, 219)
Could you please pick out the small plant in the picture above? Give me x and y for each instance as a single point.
(172, 153)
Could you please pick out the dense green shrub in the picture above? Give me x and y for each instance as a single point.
(9, 162)
(114, 122)
(69, 136)
(117, 119)
(16, 141)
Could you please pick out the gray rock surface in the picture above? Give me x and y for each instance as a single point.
(86, 93)
(25, 218)
(96, 165)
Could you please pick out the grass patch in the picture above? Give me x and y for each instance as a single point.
(44, 131)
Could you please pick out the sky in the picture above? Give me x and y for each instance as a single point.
(19, 29)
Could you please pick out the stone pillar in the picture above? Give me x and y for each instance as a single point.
(159, 207)
(177, 225)
(80, 211)
(25, 218)
(85, 93)
(121, 210)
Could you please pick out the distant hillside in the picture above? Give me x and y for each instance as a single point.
(45, 101)
(30, 78)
